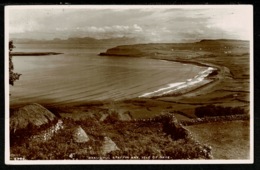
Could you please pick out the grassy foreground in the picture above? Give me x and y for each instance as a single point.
(229, 140)
(159, 138)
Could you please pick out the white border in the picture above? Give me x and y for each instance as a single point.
(251, 88)
(7, 90)
(66, 162)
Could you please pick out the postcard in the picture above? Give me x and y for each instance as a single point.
(129, 84)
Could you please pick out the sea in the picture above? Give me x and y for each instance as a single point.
(79, 74)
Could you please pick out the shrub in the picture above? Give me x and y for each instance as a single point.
(12, 76)
(211, 110)
(112, 117)
(136, 140)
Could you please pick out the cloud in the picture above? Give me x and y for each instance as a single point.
(236, 22)
(97, 32)
(27, 26)
(137, 28)
(114, 30)
(152, 24)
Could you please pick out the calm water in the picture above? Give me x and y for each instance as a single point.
(80, 75)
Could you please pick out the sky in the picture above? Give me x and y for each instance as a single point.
(146, 23)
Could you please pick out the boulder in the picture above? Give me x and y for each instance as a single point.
(32, 114)
(79, 135)
(125, 116)
(114, 116)
(108, 146)
(173, 127)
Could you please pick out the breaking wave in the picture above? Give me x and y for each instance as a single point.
(176, 87)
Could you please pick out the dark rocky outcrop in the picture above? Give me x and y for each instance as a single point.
(122, 51)
(33, 115)
(176, 129)
(30, 121)
(114, 116)
(47, 133)
(34, 53)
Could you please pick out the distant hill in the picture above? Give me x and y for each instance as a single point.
(76, 40)
(155, 50)
(220, 40)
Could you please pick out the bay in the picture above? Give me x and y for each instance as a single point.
(81, 75)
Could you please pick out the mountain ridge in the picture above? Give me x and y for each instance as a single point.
(73, 40)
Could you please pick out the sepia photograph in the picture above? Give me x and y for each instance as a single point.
(129, 84)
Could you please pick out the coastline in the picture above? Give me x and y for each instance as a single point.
(180, 88)
(211, 82)
(227, 85)
(218, 74)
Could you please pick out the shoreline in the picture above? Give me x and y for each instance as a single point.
(180, 88)
(225, 84)
(207, 80)
(218, 71)
(187, 89)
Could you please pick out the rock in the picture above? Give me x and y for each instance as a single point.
(173, 127)
(114, 116)
(126, 116)
(48, 133)
(79, 135)
(72, 155)
(33, 114)
(108, 146)
(103, 117)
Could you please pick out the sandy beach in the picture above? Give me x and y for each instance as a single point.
(230, 67)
